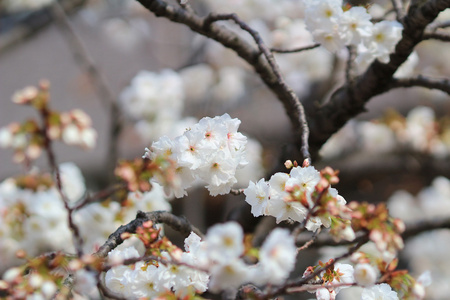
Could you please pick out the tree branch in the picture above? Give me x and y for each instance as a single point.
(179, 224)
(304, 280)
(295, 50)
(326, 120)
(436, 36)
(264, 67)
(411, 231)
(421, 81)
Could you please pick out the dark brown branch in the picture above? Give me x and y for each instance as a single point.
(179, 224)
(326, 120)
(264, 67)
(421, 81)
(104, 91)
(436, 36)
(294, 50)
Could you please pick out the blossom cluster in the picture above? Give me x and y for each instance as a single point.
(419, 131)
(29, 137)
(297, 196)
(211, 150)
(215, 264)
(33, 216)
(155, 101)
(335, 28)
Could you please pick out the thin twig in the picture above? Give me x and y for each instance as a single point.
(294, 50)
(421, 81)
(411, 231)
(146, 258)
(436, 36)
(304, 280)
(311, 241)
(104, 91)
(100, 195)
(78, 241)
(179, 224)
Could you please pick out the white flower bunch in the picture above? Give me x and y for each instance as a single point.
(214, 264)
(98, 220)
(343, 277)
(334, 29)
(155, 101)
(211, 151)
(36, 220)
(272, 198)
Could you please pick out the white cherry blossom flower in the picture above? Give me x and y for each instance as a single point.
(379, 292)
(277, 255)
(224, 242)
(257, 195)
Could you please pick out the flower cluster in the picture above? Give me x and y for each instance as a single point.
(29, 138)
(303, 194)
(335, 28)
(155, 101)
(214, 264)
(335, 278)
(383, 230)
(211, 150)
(33, 216)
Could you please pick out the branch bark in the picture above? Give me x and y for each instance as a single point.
(179, 224)
(421, 81)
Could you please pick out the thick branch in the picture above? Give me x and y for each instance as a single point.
(179, 224)
(342, 107)
(251, 54)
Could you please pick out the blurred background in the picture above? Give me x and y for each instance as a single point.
(376, 158)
